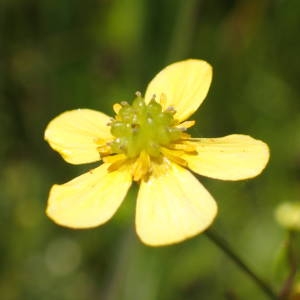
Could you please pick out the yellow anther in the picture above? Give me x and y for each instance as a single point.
(163, 100)
(185, 136)
(114, 158)
(141, 168)
(186, 147)
(116, 161)
(104, 150)
(117, 107)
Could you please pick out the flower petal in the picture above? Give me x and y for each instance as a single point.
(185, 85)
(74, 134)
(90, 199)
(232, 157)
(173, 207)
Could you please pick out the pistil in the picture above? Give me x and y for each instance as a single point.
(145, 134)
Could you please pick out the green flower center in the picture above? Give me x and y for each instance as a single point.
(143, 127)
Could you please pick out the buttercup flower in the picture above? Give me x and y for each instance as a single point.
(146, 142)
(287, 215)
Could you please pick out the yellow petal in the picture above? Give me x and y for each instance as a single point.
(90, 199)
(184, 85)
(76, 134)
(173, 207)
(232, 157)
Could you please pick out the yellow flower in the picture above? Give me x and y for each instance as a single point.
(287, 215)
(147, 142)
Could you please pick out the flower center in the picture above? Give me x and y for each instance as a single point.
(146, 137)
(143, 127)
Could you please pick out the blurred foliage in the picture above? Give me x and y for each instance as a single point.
(61, 55)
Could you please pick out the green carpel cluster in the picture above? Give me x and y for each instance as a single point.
(143, 127)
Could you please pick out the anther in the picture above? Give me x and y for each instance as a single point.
(124, 103)
(170, 109)
(117, 107)
(138, 94)
(163, 99)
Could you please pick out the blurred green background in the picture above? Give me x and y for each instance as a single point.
(61, 55)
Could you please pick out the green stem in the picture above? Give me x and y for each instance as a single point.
(292, 263)
(180, 43)
(223, 245)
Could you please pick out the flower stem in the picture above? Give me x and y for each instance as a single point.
(292, 264)
(224, 246)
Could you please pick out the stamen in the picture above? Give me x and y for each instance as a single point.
(171, 110)
(100, 141)
(145, 134)
(163, 99)
(185, 136)
(116, 165)
(104, 150)
(174, 156)
(142, 167)
(186, 124)
(117, 107)
(185, 147)
(138, 94)
(114, 158)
